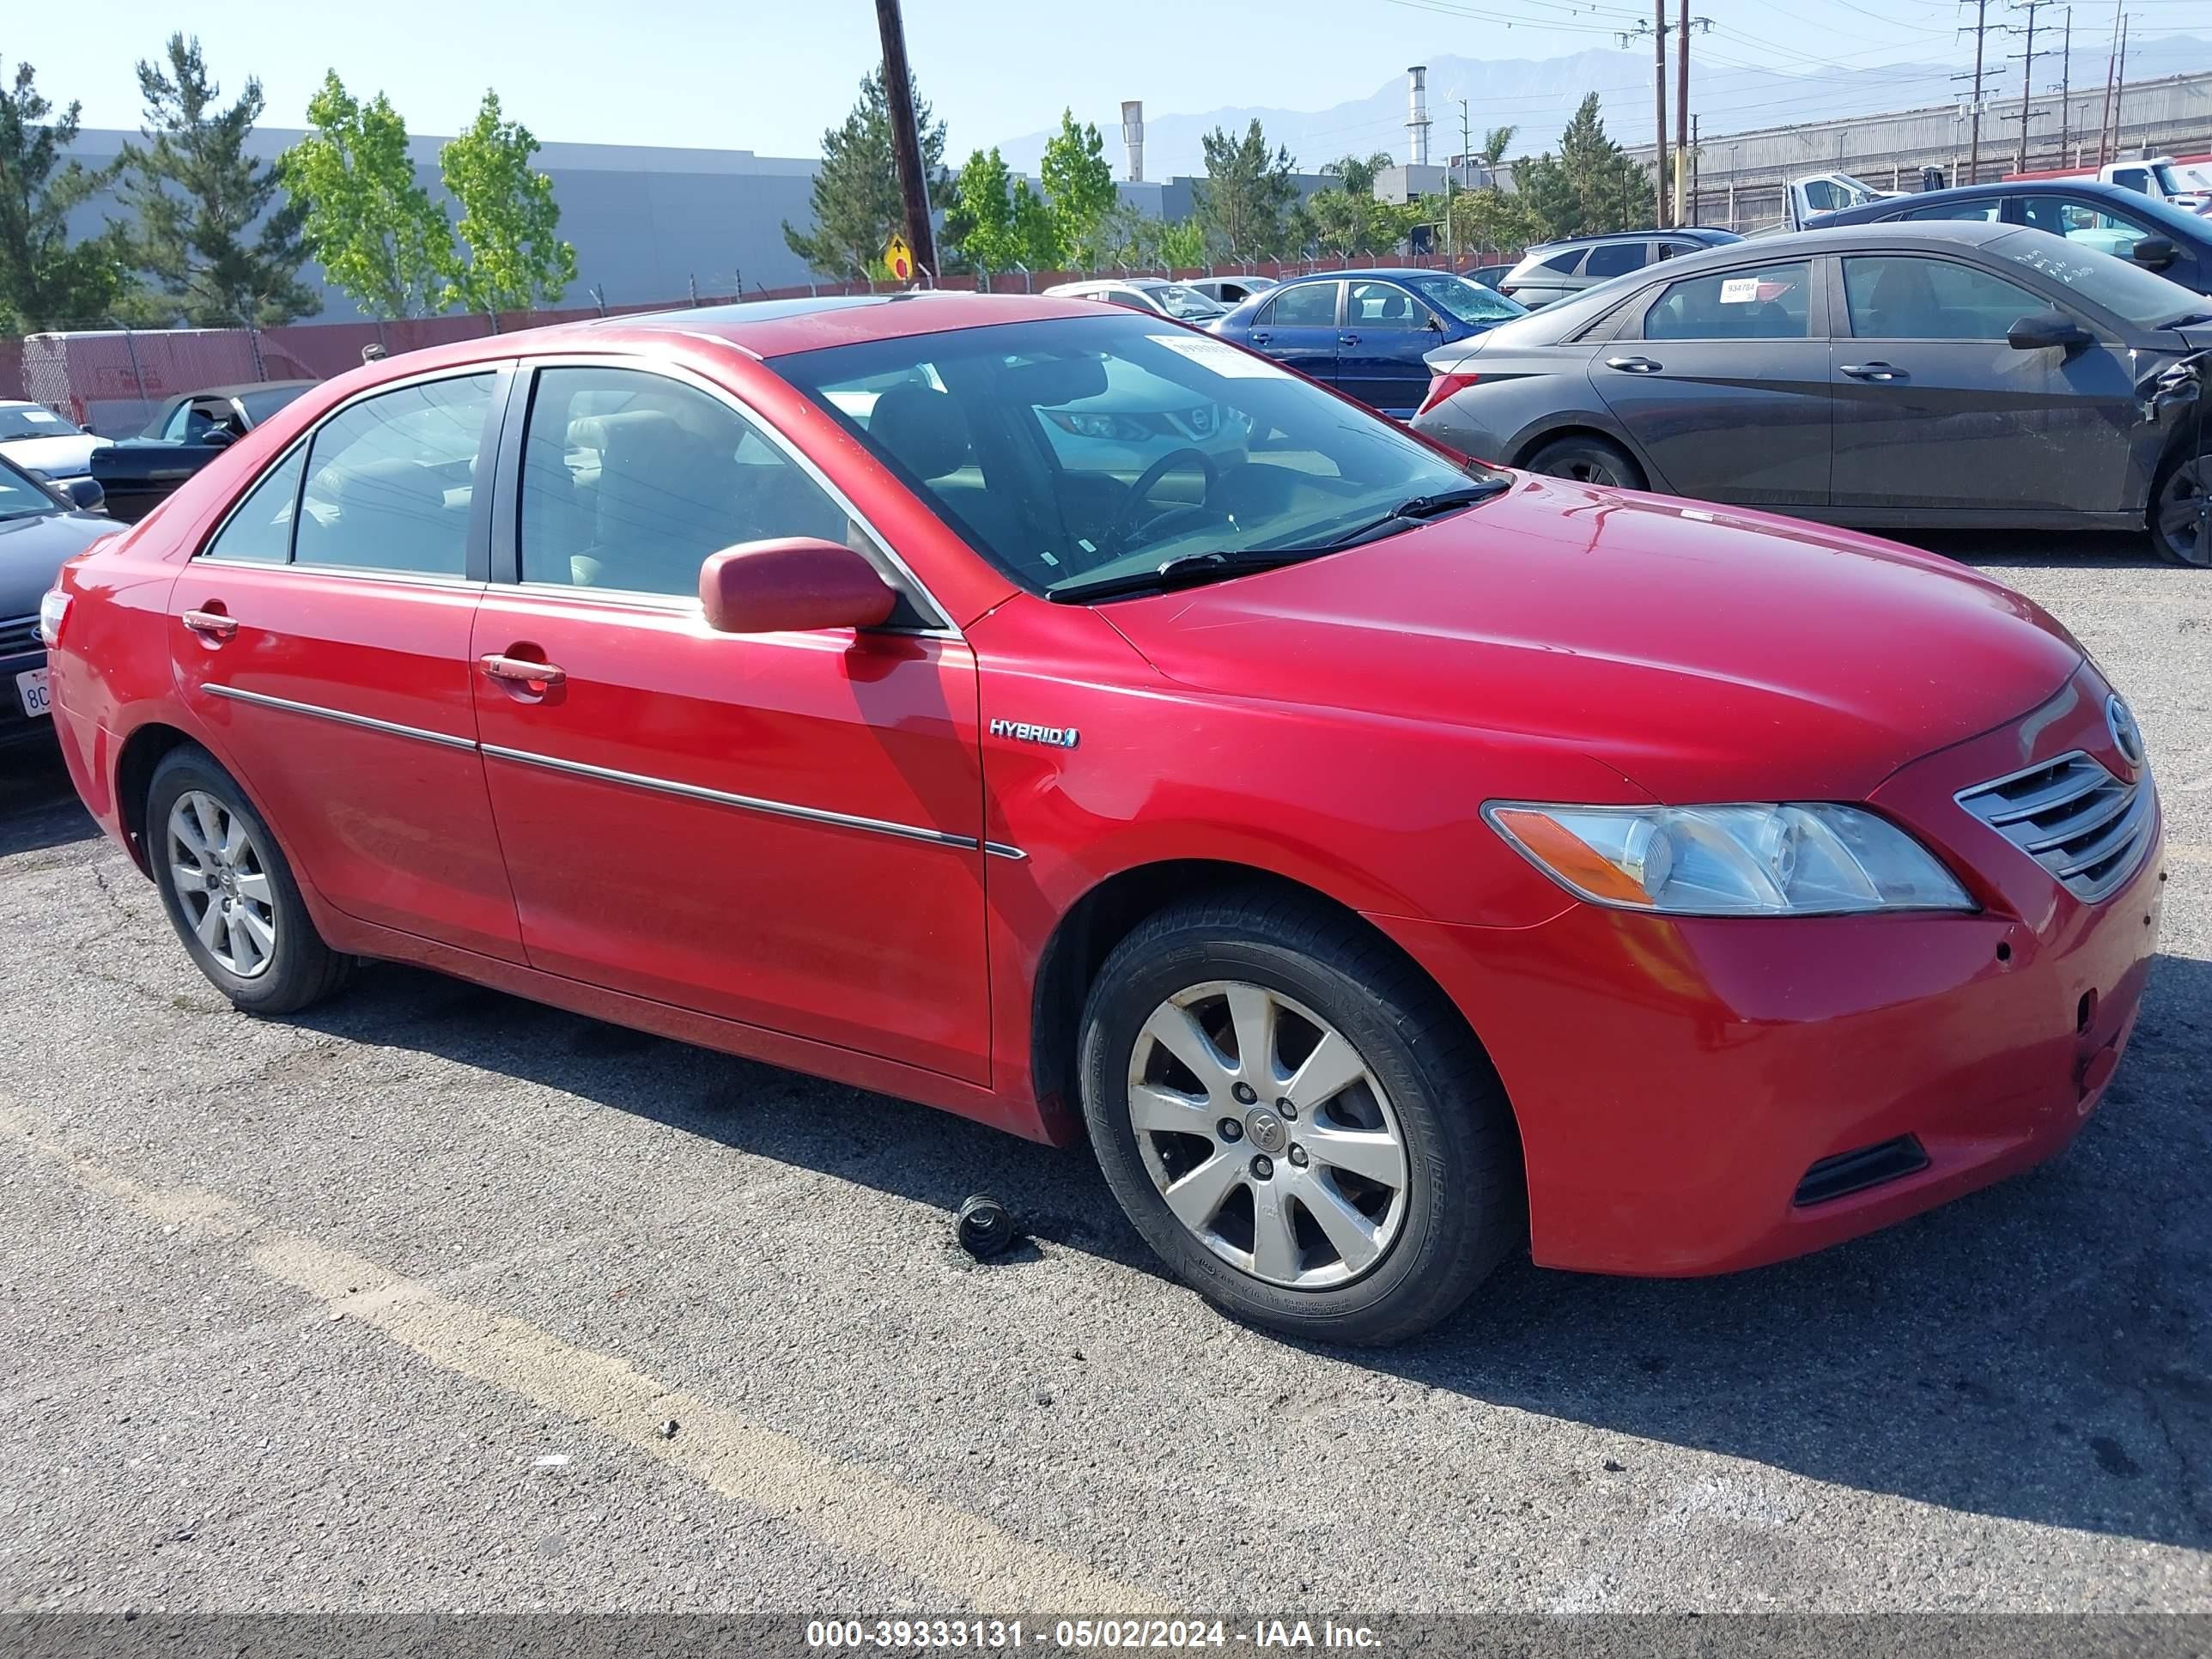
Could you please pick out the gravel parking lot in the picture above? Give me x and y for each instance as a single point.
(393, 1306)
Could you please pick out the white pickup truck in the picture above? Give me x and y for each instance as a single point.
(1828, 192)
(2156, 176)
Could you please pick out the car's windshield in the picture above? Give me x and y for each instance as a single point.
(19, 498)
(1074, 449)
(2120, 286)
(1463, 301)
(26, 421)
(1185, 304)
(261, 404)
(2168, 181)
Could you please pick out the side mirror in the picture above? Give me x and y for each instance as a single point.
(218, 437)
(2154, 252)
(89, 494)
(2041, 328)
(795, 584)
(1435, 326)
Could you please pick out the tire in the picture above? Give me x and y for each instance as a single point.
(270, 960)
(1588, 459)
(2177, 531)
(1460, 1206)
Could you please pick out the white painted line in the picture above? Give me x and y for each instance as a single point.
(845, 1505)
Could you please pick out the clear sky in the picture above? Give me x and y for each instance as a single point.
(769, 75)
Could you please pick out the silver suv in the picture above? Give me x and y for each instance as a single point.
(1552, 270)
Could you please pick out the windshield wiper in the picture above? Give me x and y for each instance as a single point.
(2190, 320)
(1188, 570)
(1414, 510)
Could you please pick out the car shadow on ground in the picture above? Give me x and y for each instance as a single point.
(2008, 549)
(38, 807)
(2040, 1352)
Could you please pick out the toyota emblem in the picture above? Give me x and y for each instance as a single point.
(2127, 736)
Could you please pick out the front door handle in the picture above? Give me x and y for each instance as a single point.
(212, 626)
(1632, 365)
(1874, 372)
(1347, 339)
(524, 678)
(1260, 338)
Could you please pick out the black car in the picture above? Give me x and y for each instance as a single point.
(41, 528)
(185, 434)
(1877, 375)
(2125, 223)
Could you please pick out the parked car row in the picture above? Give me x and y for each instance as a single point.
(1387, 863)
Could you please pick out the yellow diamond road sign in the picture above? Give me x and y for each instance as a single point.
(899, 257)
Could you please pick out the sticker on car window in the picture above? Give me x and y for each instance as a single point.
(1739, 290)
(1223, 358)
(41, 417)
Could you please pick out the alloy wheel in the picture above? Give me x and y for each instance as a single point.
(1267, 1135)
(2181, 512)
(222, 884)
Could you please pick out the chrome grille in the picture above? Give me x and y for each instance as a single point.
(2073, 818)
(18, 634)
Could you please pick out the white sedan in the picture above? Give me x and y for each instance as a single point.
(34, 437)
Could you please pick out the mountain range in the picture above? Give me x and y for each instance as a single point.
(1538, 96)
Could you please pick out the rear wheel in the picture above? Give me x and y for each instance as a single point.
(2179, 529)
(228, 891)
(1296, 1121)
(1588, 459)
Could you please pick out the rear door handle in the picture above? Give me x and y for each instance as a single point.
(521, 675)
(1347, 339)
(1632, 365)
(1259, 339)
(1874, 372)
(212, 626)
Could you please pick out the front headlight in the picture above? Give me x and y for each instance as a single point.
(1791, 859)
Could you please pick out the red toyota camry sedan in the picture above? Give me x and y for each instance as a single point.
(1060, 717)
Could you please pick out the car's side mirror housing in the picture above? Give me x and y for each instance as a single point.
(219, 437)
(88, 495)
(794, 583)
(1435, 326)
(2154, 252)
(2041, 330)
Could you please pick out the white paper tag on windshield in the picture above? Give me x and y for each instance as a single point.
(1223, 358)
(41, 417)
(1739, 290)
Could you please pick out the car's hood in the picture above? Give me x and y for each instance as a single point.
(1704, 653)
(32, 549)
(68, 456)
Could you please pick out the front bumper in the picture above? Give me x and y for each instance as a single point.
(16, 726)
(1675, 1080)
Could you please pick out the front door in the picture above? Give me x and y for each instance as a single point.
(1934, 409)
(323, 638)
(1298, 328)
(1379, 351)
(783, 829)
(1727, 391)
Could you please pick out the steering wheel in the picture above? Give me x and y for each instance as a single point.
(1125, 524)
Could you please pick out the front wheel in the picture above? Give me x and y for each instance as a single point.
(2179, 529)
(1296, 1121)
(230, 894)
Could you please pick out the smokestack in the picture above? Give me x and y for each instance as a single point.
(1133, 135)
(1416, 116)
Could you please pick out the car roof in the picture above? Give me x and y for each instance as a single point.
(2096, 189)
(1361, 273)
(239, 391)
(1712, 235)
(1933, 235)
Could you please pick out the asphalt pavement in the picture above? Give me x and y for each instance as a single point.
(434, 1299)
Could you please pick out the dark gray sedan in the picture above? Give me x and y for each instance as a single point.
(41, 528)
(1891, 375)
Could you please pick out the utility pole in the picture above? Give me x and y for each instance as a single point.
(1974, 130)
(1659, 98)
(1466, 148)
(2065, 84)
(2105, 118)
(2120, 88)
(906, 140)
(2027, 57)
(1690, 217)
(1683, 214)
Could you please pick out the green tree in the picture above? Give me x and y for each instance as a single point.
(1495, 143)
(1037, 236)
(1181, 244)
(372, 226)
(1249, 199)
(983, 228)
(1489, 222)
(1358, 172)
(210, 230)
(1079, 185)
(1591, 185)
(856, 194)
(46, 280)
(509, 222)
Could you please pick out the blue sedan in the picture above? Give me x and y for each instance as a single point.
(1365, 333)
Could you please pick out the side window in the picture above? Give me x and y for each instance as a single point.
(629, 480)
(1899, 298)
(2136, 178)
(1768, 302)
(260, 530)
(179, 425)
(390, 480)
(1129, 301)
(1564, 264)
(1310, 304)
(2079, 221)
(1382, 306)
(1616, 259)
(1987, 210)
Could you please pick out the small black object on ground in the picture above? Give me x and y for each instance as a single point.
(985, 1227)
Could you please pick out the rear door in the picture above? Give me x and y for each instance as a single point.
(1726, 391)
(783, 829)
(1298, 328)
(1934, 409)
(1379, 351)
(323, 638)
